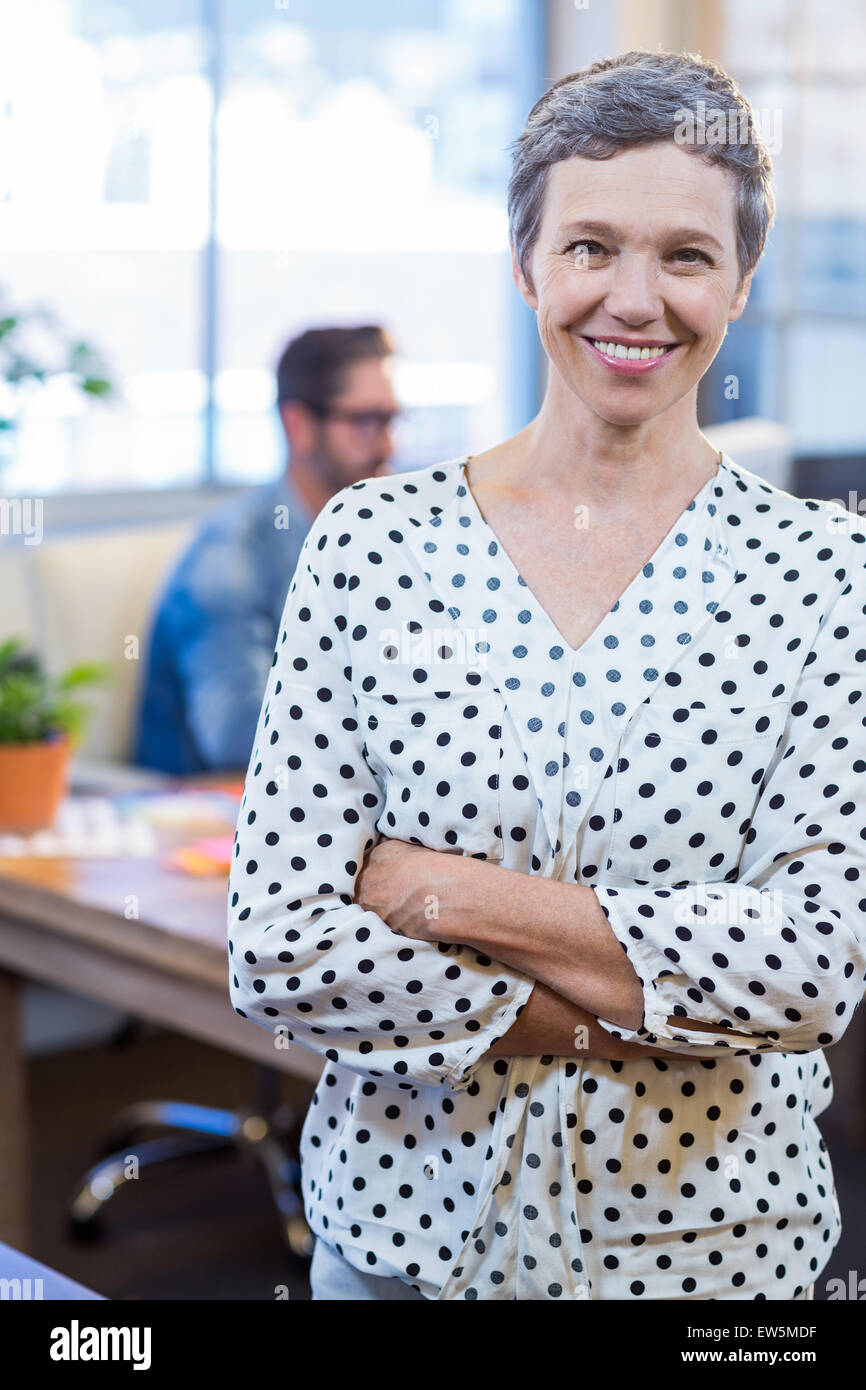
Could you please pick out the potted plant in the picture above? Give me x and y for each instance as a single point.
(41, 721)
(34, 349)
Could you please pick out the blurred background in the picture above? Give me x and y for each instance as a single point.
(188, 184)
(184, 187)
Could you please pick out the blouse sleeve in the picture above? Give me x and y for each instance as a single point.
(777, 958)
(305, 960)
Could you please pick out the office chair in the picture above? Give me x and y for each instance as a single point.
(268, 1130)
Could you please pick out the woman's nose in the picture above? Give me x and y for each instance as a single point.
(634, 296)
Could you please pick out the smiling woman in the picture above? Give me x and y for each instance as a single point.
(635, 265)
(542, 890)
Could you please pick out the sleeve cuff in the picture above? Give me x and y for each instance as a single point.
(652, 970)
(654, 1024)
(462, 1075)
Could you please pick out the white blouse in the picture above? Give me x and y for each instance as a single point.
(696, 762)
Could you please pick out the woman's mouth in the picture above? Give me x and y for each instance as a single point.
(630, 359)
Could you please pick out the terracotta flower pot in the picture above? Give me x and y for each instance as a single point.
(33, 782)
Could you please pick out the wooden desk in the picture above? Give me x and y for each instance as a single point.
(72, 923)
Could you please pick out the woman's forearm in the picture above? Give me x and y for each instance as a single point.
(550, 1025)
(554, 931)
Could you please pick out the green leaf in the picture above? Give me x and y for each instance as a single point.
(82, 360)
(8, 651)
(85, 673)
(96, 386)
(34, 705)
(68, 717)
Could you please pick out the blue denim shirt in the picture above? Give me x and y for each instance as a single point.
(213, 639)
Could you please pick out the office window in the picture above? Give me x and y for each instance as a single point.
(105, 114)
(799, 351)
(188, 184)
(362, 172)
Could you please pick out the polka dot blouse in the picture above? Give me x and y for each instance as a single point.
(698, 762)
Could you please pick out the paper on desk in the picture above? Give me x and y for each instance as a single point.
(85, 827)
(212, 855)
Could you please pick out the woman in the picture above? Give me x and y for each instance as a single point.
(549, 842)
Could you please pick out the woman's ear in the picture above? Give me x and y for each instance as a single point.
(740, 299)
(524, 285)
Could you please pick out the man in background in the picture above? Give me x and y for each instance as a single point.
(218, 617)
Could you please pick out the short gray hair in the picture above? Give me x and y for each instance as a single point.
(631, 100)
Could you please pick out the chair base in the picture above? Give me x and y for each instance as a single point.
(269, 1134)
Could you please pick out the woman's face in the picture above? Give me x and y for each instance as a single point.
(636, 249)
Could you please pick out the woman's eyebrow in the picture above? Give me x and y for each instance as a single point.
(605, 229)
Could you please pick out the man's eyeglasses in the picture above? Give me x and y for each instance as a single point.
(365, 421)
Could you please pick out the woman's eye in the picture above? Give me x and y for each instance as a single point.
(584, 248)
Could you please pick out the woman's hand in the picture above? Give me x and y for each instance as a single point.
(421, 893)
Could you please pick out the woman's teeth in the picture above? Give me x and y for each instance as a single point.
(634, 354)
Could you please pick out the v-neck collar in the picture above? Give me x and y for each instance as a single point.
(495, 547)
(569, 709)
